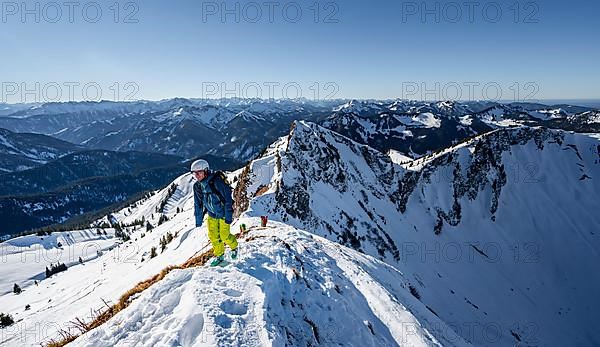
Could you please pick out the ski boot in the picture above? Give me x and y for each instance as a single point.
(218, 260)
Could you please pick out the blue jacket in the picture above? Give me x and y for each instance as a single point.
(206, 200)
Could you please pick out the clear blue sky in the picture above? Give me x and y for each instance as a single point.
(369, 50)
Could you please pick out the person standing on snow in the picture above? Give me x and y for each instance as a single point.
(212, 195)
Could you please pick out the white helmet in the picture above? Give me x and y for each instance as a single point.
(199, 165)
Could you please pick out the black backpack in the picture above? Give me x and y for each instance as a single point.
(211, 183)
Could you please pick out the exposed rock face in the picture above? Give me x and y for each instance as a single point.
(311, 158)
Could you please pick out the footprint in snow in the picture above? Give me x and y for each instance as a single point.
(233, 292)
(233, 307)
(223, 321)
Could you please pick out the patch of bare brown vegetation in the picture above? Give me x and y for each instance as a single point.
(240, 199)
(261, 190)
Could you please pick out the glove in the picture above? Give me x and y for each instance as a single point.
(228, 220)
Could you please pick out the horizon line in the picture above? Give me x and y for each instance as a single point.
(506, 101)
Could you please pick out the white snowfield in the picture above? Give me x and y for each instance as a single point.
(288, 287)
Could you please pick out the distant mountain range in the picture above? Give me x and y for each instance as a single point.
(21, 151)
(490, 241)
(240, 128)
(79, 166)
(417, 128)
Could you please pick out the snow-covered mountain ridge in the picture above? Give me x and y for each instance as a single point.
(489, 242)
(511, 205)
(288, 288)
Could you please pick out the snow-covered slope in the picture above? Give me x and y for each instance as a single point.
(498, 231)
(110, 267)
(489, 242)
(29, 255)
(288, 288)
